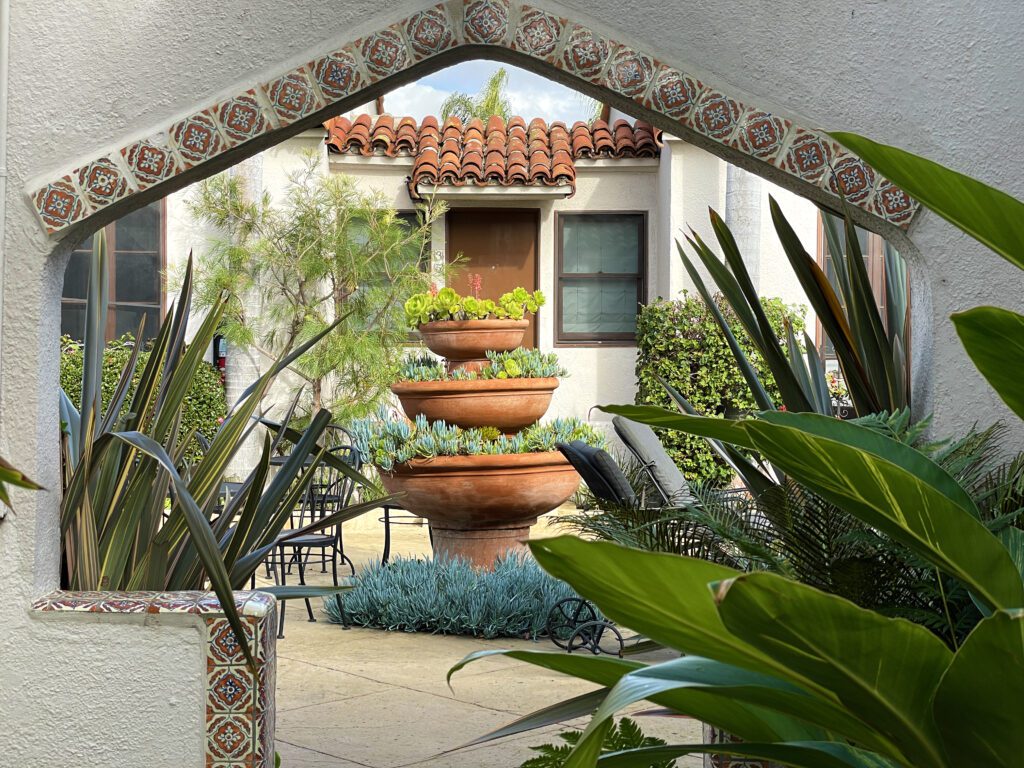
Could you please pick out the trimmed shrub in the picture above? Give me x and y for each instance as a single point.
(451, 597)
(205, 403)
(680, 342)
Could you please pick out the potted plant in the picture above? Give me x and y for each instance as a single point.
(480, 490)
(462, 329)
(510, 393)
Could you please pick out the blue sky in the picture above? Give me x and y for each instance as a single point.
(531, 95)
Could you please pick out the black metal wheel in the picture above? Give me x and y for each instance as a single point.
(598, 637)
(564, 618)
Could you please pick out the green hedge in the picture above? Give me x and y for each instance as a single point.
(680, 342)
(205, 404)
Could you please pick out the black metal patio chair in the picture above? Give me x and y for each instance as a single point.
(329, 491)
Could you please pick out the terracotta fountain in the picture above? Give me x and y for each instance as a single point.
(479, 507)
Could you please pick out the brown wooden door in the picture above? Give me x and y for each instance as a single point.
(500, 246)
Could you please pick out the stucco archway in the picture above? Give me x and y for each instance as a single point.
(138, 169)
(940, 78)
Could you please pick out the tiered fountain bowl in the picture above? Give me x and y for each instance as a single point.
(480, 507)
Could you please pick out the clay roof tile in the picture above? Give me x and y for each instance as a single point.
(509, 153)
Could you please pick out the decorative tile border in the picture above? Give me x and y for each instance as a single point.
(239, 703)
(807, 155)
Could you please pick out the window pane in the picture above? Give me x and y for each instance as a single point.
(599, 306)
(76, 275)
(139, 230)
(137, 277)
(126, 320)
(596, 244)
(72, 320)
(414, 250)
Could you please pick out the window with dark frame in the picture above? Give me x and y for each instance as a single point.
(602, 259)
(136, 261)
(872, 247)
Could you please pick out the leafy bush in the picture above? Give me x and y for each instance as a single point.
(204, 405)
(625, 734)
(446, 304)
(680, 342)
(519, 363)
(384, 441)
(451, 597)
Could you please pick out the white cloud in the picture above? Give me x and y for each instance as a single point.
(416, 99)
(530, 95)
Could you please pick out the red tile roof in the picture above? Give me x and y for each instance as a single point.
(512, 153)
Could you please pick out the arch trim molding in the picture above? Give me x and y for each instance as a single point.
(808, 155)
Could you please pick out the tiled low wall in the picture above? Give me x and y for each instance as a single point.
(239, 717)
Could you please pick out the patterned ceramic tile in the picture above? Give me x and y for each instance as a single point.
(58, 204)
(242, 118)
(673, 93)
(538, 33)
(224, 646)
(892, 203)
(384, 52)
(716, 115)
(176, 602)
(231, 689)
(102, 182)
(292, 96)
(230, 736)
(197, 138)
(629, 72)
(150, 164)
(808, 156)
(585, 53)
(485, 21)
(851, 178)
(430, 32)
(209, 603)
(761, 134)
(337, 74)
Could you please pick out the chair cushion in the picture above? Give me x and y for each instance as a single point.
(599, 471)
(643, 442)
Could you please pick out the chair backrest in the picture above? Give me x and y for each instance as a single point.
(599, 471)
(329, 491)
(643, 443)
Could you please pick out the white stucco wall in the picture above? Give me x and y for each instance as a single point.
(99, 692)
(943, 78)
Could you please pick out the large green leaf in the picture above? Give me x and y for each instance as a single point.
(986, 214)
(726, 430)
(884, 671)
(728, 712)
(740, 685)
(801, 754)
(895, 488)
(994, 339)
(978, 706)
(664, 597)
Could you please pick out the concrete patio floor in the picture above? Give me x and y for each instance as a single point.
(363, 697)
